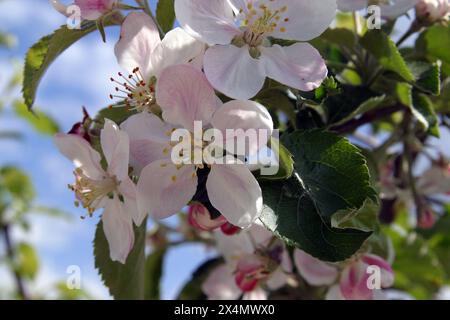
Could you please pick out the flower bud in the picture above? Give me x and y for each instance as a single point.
(200, 218)
(229, 229)
(427, 219)
(250, 271)
(431, 11)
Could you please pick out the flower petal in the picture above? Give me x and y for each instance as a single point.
(306, 19)
(314, 271)
(299, 66)
(149, 139)
(353, 282)
(94, 9)
(351, 5)
(164, 190)
(210, 21)
(241, 120)
(387, 274)
(177, 47)
(232, 71)
(234, 191)
(118, 228)
(185, 96)
(80, 152)
(116, 148)
(220, 285)
(139, 37)
(397, 8)
(128, 190)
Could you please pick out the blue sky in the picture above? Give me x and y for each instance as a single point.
(80, 77)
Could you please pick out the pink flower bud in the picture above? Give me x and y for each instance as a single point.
(431, 11)
(229, 229)
(200, 218)
(427, 219)
(250, 271)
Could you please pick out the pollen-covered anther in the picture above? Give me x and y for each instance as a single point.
(134, 92)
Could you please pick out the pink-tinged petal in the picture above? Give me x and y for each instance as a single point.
(232, 71)
(236, 118)
(387, 274)
(234, 191)
(219, 285)
(200, 218)
(353, 282)
(164, 189)
(314, 271)
(255, 295)
(351, 5)
(94, 9)
(139, 37)
(128, 190)
(116, 148)
(250, 270)
(80, 152)
(185, 96)
(299, 66)
(118, 228)
(277, 279)
(233, 247)
(334, 293)
(303, 20)
(260, 235)
(210, 21)
(149, 139)
(177, 47)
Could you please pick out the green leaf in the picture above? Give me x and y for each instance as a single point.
(124, 281)
(27, 261)
(41, 55)
(328, 170)
(40, 121)
(331, 169)
(341, 36)
(423, 110)
(433, 43)
(286, 163)
(17, 184)
(428, 76)
(385, 51)
(116, 114)
(153, 273)
(192, 290)
(291, 214)
(165, 14)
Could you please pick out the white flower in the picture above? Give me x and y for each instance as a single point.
(432, 11)
(241, 55)
(142, 53)
(111, 189)
(164, 188)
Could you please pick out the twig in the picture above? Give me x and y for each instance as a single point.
(11, 255)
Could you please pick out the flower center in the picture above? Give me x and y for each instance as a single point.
(89, 191)
(135, 92)
(262, 19)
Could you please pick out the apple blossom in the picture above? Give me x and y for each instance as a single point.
(430, 11)
(165, 187)
(241, 55)
(111, 189)
(390, 9)
(142, 53)
(353, 280)
(90, 9)
(252, 260)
